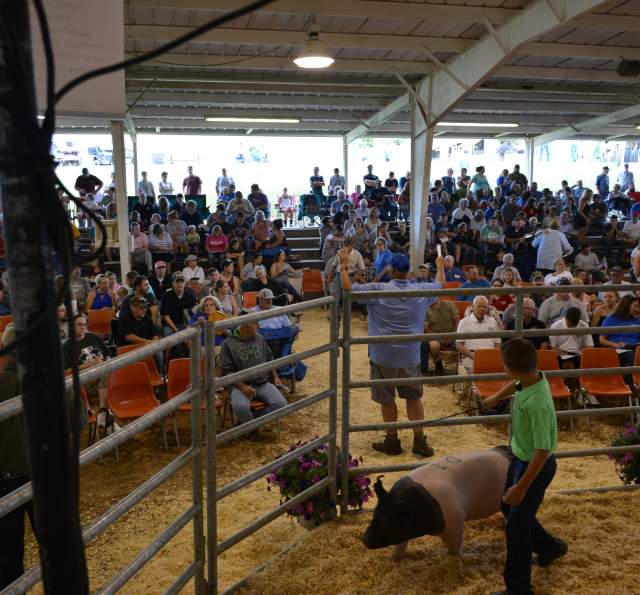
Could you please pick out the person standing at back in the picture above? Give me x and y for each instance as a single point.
(396, 316)
(192, 184)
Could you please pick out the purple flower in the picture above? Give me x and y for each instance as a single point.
(272, 477)
(629, 432)
(316, 479)
(305, 464)
(627, 457)
(283, 484)
(309, 507)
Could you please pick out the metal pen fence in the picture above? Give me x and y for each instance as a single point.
(22, 495)
(520, 293)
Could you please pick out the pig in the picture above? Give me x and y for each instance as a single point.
(437, 498)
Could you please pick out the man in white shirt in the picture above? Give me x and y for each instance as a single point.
(337, 181)
(625, 179)
(223, 181)
(332, 270)
(265, 299)
(476, 322)
(569, 347)
(631, 229)
(615, 276)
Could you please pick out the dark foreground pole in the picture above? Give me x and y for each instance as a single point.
(54, 472)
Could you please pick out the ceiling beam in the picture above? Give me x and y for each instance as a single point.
(363, 41)
(348, 8)
(286, 63)
(482, 60)
(608, 22)
(561, 74)
(528, 105)
(227, 99)
(298, 38)
(586, 126)
(552, 89)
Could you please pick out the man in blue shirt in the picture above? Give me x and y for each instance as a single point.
(449, 182)
(471, 282)
(389, 316)
(451, 272)
(602, 183)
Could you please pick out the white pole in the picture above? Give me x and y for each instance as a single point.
(345, 163)
(122, 209)
(530, 155)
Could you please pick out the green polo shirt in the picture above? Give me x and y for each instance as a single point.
(534, 421)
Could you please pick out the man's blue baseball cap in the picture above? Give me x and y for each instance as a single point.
(400, 263)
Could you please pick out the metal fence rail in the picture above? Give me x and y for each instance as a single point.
(348, 384)
(215, 493)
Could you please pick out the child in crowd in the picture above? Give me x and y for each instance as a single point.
(533, 442)
(193, 239)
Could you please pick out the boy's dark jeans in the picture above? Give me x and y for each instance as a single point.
(525, 534)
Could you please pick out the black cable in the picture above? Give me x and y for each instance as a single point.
(163, 49)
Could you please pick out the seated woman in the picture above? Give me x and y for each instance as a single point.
(560, 271)
(101, 296)
(206, 311)
(326, 228)
(261, 231)
(373, 220)
(382, 261)
(500, 302)
(281, 271)
(286, 206)
(216, 245)
(163, 209)
(606, 309)
(248, 270)
(363, 211)
(277, 240)
(227, 276)
(236, 251)
(228, 303)
(160, 244)
(583, 297)
(192, 271)
(360, 238)
(627, 313)
(177, 229)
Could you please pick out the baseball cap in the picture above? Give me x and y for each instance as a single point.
(178, 277)
(400, 263)
(536, 275)
(191, 257)
(265, 294)
(617, 269)
(563, 281)
(424, 266)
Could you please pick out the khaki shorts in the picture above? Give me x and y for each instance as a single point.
(385, 395)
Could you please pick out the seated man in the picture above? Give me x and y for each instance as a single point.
(476, 322)
(529, 321)
(555, 306)
(262, 281)
(491, 241)
(442, 317)
(176, 310)
(246, 349)
(570, 347)
(507, 263)
(136, 326)
(265, 302)
(472, 282)
(451, 272)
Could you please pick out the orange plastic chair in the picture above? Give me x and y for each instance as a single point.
(611, 385)
(155, 377)
(548, 361)
(100, 321)
(131, 395)
(462, 307)
(312, 282)
(636, 362)
(488, 361)
(4, 321)
(249, 299)
(92, 420)
(452, 284)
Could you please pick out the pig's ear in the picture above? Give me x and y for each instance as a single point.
(379, 488)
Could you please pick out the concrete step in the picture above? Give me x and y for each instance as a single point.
(307, 252)
(301, 232)
(315, 263)
(303, 242)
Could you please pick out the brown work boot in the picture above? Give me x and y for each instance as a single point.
(390, 446)
(420, 447)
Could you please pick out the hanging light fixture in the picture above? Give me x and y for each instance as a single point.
(314, 54)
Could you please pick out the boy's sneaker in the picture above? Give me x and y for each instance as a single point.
(420, 447)
(439, 371)
(390, 446)
(546, 558)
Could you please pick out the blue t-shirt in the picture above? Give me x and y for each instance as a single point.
(435, 210)
(396, 316)
(383, 259)
(455, 274)
(635, 208)
(626, 338)
(472, 284)
(102, 300)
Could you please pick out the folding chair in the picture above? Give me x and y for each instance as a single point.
(156, 378)
(99, 321)
(548, 361)
(249, 299)
(610, 385)
(452, 284)
(4, 321)
(179, 380)
(131, 395)
(462, 307)
(92, 420)
(309, 208)
(487, 361)
(313, 283)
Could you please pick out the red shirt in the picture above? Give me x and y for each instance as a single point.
(217, 244)
(635, 196)
(192, 185)
(501, 302)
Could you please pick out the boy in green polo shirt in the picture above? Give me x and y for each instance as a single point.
(533, 442)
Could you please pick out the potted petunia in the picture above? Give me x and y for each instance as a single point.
(627, 463)
(308, 470)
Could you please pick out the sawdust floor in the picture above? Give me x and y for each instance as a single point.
(599, 540)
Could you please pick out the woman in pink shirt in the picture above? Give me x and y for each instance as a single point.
(261, 230)
(216, 245)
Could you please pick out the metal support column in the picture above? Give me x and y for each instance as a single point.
(131, 129)
(346, 381)
(122, 208)
(345, 163)
(212, 505)
(421, 150)
(333, 400)
(26, 189)
(196, 469)
(530, 156)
